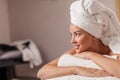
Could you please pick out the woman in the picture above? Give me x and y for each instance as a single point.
(94, 31)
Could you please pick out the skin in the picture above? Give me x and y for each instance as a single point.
(85, 46)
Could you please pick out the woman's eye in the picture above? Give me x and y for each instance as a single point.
(77, 35)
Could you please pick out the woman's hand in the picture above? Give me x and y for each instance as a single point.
(91, 72)
(85, 55)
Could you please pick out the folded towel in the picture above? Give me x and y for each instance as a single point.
(70, 60)
(30, 52)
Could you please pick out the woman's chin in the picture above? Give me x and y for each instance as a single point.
(78, 50)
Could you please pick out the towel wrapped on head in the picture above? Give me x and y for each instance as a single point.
(98, 20)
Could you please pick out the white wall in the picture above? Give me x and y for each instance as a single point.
(45, 22)
(4, 22)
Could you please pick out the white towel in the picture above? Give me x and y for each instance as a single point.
(69, 60)
(30, 53)
(98, 20)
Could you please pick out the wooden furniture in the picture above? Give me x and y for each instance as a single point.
(7, 68)
(118, 9)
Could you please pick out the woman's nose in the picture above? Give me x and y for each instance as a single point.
(73, 40)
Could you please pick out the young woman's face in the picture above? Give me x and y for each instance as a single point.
(81, 40)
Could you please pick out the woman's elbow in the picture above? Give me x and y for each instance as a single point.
(41, 74)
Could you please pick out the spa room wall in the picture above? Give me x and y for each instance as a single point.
(46, 22)
(4, 22)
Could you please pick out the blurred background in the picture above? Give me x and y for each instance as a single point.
(46, 22)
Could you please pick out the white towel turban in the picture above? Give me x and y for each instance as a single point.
(98, 20)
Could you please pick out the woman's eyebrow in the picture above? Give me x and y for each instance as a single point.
(77, 32)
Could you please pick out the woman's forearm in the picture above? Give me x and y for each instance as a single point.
(54, 71)
(51, 69)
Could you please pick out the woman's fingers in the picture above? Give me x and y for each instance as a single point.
(100, 73)
(90, 72)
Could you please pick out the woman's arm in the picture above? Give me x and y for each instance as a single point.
(108, 64)
(51, 70)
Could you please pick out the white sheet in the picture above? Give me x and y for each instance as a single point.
(69, 60)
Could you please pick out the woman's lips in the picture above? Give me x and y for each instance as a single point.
(76, 46)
